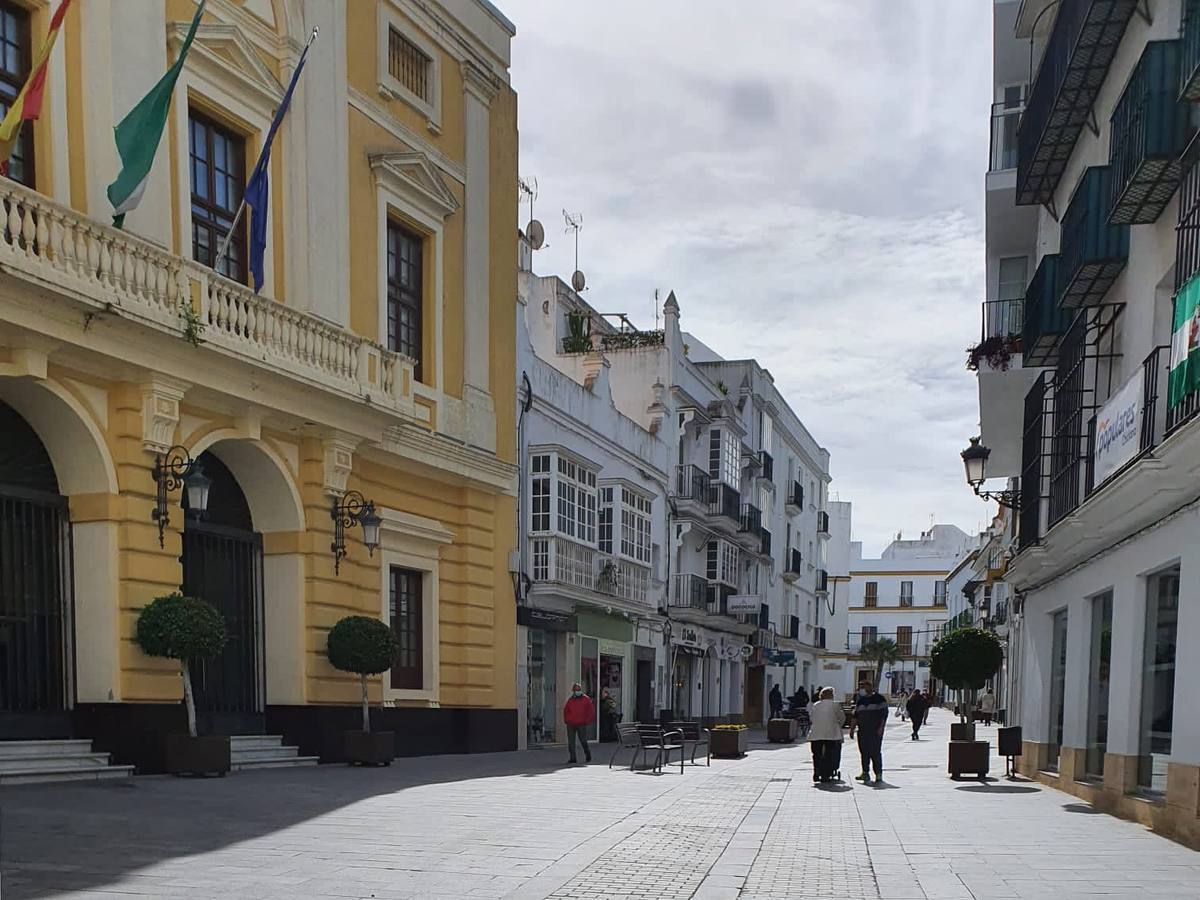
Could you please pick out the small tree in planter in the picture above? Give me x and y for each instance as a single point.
(964, 660)
(364, 646)
(186, 629)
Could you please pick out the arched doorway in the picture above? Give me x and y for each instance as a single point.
(223, 564)
(35, 587)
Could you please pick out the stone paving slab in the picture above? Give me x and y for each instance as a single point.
(522, 826)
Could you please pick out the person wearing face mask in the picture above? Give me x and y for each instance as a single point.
(578, 713)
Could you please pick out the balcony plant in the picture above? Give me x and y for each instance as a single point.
(963, 660)
(186, 629)
(997, 351)
(728, 741)
(364, 646)
(579, 338)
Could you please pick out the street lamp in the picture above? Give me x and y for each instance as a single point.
(172, 470)
(975, 459)
(353, 509)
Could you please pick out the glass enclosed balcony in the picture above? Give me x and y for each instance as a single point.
(1149, 129)
(1044, 323)
(1074, 64)
(1092, 252)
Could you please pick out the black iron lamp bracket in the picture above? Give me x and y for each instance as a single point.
(170, 471)
(347, 512)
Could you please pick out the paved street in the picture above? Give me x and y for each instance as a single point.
(521, 826)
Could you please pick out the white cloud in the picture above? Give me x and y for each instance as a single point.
(808, 179)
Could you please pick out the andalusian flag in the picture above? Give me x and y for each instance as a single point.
(1185, 344)
(28, 105)
(140, 132)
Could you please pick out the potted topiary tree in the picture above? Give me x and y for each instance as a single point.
(186, 629)
(364, 646)
(964, 660)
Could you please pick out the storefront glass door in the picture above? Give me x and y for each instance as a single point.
(589, 674)
(1101, 656)
(544, 715)
(1058, 683)
(611, 687)
(1158, 680)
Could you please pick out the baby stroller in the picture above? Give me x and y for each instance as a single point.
(827, 761)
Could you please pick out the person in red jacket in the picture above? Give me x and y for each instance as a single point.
(578, 714)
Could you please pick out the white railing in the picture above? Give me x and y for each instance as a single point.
(110, 269)
(563, 561)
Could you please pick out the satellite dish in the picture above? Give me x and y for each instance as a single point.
(536, 234)
(578, 281)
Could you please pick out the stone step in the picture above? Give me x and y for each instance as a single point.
(37, 761)
(53, 748)
(34, 776)
(271, 762)
(241, 742)
(237, 753)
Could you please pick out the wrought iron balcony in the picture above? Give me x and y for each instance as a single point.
(765, 542)
(1156, 420)
(1092, 252)
(724, 501)
(1003, 151)
(819, 637)
(795, 563)
(794, 627)
(750, 519)
(1043, 323)
(1189, 67)
(767, 466)
(1149, 131)
(822, 522)
(1073, 67)
(1032, 455)
(1002, 318)
(1187, 230)
(692, 483)
(822, 581)
(718, 599)
(795, 497)
(689, 592)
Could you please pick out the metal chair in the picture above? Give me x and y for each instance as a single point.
(627, 739)
(692, 734)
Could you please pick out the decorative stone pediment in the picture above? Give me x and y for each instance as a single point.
(224, 55)
(411, 174)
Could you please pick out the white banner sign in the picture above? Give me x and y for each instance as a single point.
(1118, 428)
(743, 603)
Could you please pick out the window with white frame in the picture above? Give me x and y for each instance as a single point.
(766, 431)
(723, 452)
(723, 563)
(573, 489)
(635, 526)
(606, 520)
(764, 504)
(539, 493)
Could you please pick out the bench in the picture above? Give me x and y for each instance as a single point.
(692, 735)
(661, 743)
(627, 739)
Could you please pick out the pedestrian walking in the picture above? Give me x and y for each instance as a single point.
(799, 699)
(578, 713)
(826, 736)
(916, 711)
(870, 716)
(987, 706)
(775, 699)
(928, 706)
(901, 707)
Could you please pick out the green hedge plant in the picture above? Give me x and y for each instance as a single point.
(364, 646)
(181, 628)
(964, 660)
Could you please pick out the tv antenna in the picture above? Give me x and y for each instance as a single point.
(575, 223)
(656, 309)
(534, 231)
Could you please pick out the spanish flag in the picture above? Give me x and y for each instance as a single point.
(28, 105)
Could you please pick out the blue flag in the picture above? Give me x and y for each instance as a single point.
(257, 189)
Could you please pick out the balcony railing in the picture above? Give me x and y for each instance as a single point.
(692, 483)
(1068, 444)
(1187, 230)
(1149, 131)
(108, 269)
(689, 592)
(1032, 455)
(724, 501)
(1073, 68)
(1002, 318)
(795, 563)
(1189, 68)
(1003, 151)
(819, 637)
(563, 561)
(718, 599)
(1155, 423)
(822, 581)
(767, 466)
(794, 627)
(1092, 252)
(1043, 322)
(906, 600)
(765, 542)
(750, 519)
(822, 522)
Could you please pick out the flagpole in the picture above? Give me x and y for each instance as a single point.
(224, 248)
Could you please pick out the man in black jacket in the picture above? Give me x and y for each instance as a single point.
(916, 711)
(870, 716)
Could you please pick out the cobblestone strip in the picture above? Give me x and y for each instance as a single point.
(670, 855)
(814, 847)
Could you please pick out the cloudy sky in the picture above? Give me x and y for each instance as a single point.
(808, 178)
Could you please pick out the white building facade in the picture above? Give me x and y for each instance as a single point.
(1094, 192)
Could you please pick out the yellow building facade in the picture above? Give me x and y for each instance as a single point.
(378, 357)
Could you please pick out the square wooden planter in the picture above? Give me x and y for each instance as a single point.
(969, 757)
(728, 744)
(781, 731)
(187, 755)
(375, 748)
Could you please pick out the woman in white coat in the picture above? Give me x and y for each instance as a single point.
(826, 736)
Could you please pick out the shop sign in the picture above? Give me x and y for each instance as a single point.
(743, 603)
(689, 637)
(546, 619)
(780, 657)
(1118, 430)
(611, 648)
(831, 667)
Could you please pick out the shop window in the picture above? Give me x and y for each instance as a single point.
(1158, 681)
(14, 70)
(1101, 658)
(218, 163)
(1058, 683)
(405, 263)
(405, 610)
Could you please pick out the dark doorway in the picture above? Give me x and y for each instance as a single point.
(35, 588)
(222, 564)
(644, 686)
(755, 686)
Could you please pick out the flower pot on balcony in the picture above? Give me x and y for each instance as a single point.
(728, 742)
(962, 731)
(970, 757)
(374, 748)
(781, 731)
(187, 755)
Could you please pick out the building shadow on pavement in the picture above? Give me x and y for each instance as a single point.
(998, 789)
(79, 836)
